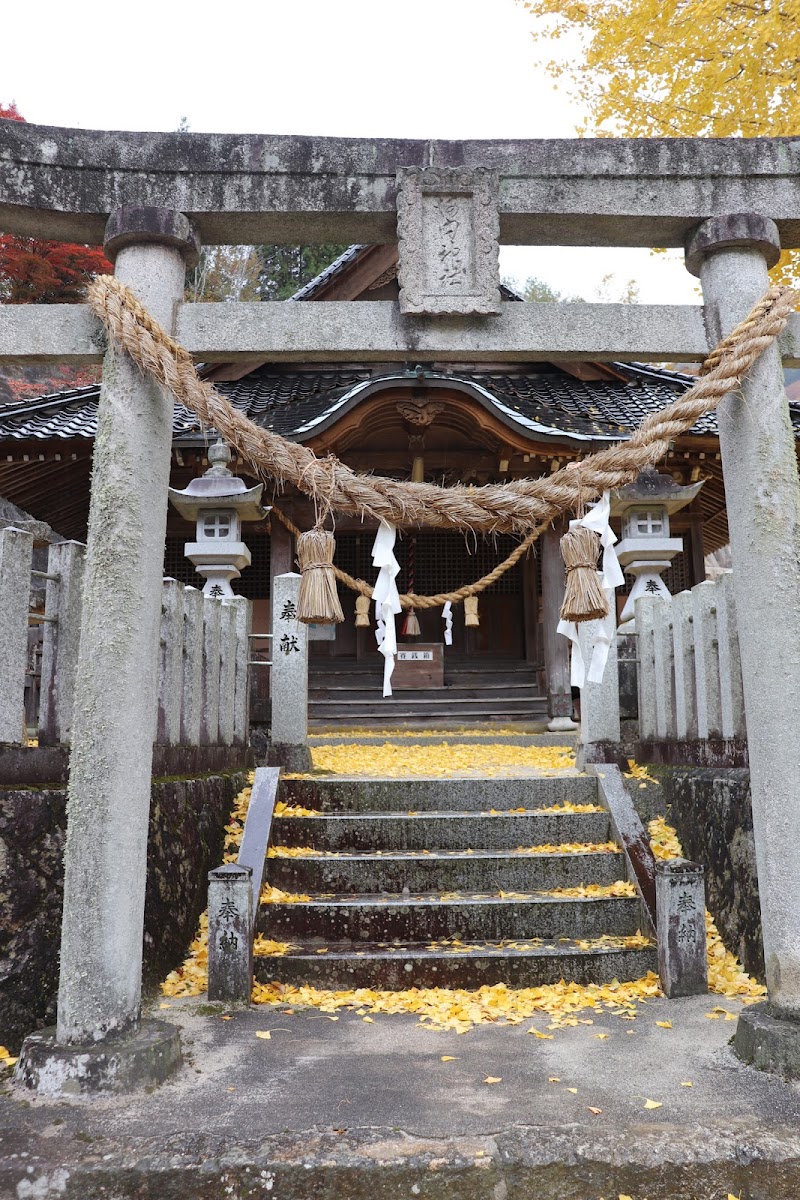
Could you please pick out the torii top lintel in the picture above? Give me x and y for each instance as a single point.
(247, 188)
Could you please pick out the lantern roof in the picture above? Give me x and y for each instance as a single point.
(651, 487)
(219, 487)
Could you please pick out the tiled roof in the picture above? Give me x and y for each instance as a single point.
(288, 400)
(351, 255)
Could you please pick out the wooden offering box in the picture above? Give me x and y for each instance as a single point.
(419, 665)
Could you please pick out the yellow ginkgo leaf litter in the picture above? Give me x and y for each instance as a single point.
(447, 1008)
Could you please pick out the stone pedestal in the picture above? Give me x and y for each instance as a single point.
(767, 1041)
(732, 255)
(116, 1064)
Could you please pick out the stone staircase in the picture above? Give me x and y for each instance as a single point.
(421, 882)
(348, 692)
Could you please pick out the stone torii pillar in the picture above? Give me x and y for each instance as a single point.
(99, 1042)
(731, 255)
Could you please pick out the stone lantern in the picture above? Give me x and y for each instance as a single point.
(646, 549)
(218, 502)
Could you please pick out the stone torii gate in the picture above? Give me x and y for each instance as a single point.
(151, 199)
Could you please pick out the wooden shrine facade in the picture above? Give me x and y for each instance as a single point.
(445, 422)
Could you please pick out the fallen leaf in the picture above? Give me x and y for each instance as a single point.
(573, 1090)
(368, 1020)
(548, 1037)
(664, 1024)
(554, 1079)
(652, 1104)
(686, 1083)
(493, 1079)
(601, 1036)
(263, 1033)
(333, 1018)
(596, 1111)
(622, 1196)
(165, 1006)
(449, 1057)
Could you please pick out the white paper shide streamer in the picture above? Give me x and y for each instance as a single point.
(447, 617)
(387, 598)
(596, 519)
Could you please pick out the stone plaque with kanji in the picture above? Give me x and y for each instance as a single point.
(447, 232)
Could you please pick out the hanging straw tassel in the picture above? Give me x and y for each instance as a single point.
(411, 625)
(362, 611)
(318, 603)
(471, 611)
(584, 598)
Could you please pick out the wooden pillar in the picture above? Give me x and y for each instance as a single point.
(556, 647)
(696, 546)
(530, 609)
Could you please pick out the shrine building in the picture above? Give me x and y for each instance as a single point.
(473, 422)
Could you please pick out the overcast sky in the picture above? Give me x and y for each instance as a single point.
(357, 68)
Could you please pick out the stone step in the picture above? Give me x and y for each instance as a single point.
(425, 918)
(371, 668)
(467, 688)
(457, 830)
(345, 965)
(351, 794)
(412, 706)
(456, 871)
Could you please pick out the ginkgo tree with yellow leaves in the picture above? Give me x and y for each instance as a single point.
(677, 68)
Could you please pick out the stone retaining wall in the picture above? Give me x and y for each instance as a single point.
(187, 820)
(710, 809)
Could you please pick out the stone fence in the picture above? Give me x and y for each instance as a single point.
(203, 696)
(684, 657)
(689, 670)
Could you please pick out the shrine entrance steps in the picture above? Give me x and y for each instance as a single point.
(348, 692)
(433, 883)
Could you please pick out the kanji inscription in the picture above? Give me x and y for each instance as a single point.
(447, 229)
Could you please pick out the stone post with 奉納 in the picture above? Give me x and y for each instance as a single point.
(115, 710)
(230, 940)
(288, 744)
(681, 925)
(732, 256)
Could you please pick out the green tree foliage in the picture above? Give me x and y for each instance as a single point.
(285, 269)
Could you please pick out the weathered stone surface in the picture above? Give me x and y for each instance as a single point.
(132, 226)
(134, 1061)
(376, 331)
(115, 708)
(230, 933)
(768, 1041)
(289, 676)
(763, 501)
(681, 924)
(186, 838)
(710, 809)
(415, 1127)
(749, 229)
(16, 552)
(300, 189)
(60, 641)
(447, 231)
